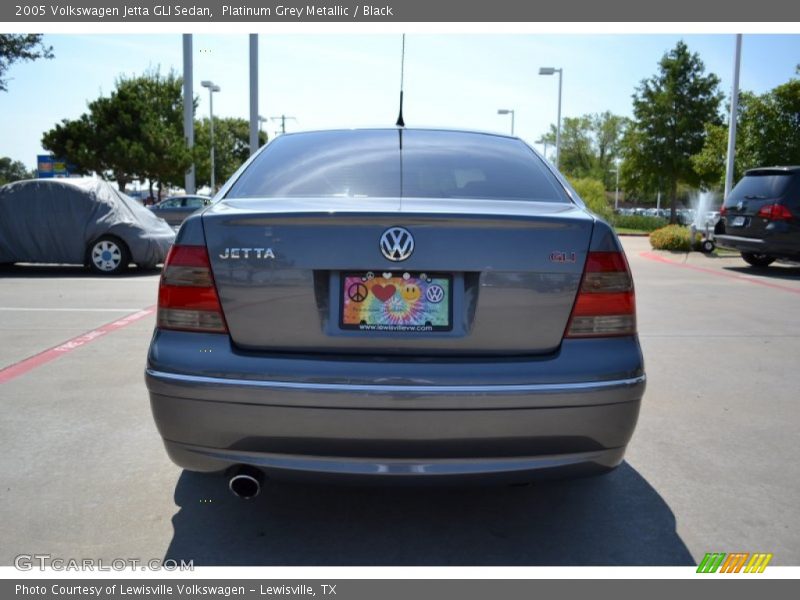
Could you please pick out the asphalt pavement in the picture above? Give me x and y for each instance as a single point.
(714, 464)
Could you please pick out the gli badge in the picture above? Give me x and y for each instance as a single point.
(562, 257)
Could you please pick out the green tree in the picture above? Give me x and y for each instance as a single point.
(593, 193)
(589, 145)
(12, 170)
(134, 133)
(19, 47)
(608, 133)
(767, 133)
(231, 148)
(576, 154)
(671, 111)
(165, 155)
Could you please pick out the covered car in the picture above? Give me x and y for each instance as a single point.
(79, 221)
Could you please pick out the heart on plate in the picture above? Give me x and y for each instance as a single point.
(383, 292)
(387, 275)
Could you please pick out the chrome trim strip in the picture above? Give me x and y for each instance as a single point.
(725, 237)
(552, 388)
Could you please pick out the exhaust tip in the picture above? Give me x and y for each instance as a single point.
(246, 483)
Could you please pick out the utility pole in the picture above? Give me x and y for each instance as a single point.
(282, 119)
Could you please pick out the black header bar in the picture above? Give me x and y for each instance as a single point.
(441, 11)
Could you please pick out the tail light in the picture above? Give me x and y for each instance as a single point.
(605, 305)
(775, 212)
(723, 211)
(187, 297)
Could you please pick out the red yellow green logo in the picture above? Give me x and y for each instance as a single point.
(737, 562)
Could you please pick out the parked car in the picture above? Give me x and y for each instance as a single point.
(176, 208)
(79, 221)
(761, 216)
(395, 304)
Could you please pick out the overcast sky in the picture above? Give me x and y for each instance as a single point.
(331, 80)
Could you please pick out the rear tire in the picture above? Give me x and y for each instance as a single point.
(108, 255)
(757, 260)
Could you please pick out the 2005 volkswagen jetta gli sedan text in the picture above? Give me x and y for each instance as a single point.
(396, 304)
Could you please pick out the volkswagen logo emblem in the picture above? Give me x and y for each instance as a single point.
(397, 244)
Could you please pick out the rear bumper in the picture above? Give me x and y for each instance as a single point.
(296, 467)
(758, 246)
(434, 426)
(742, 244)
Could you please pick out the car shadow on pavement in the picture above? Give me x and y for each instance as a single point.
(616, 519)
(30, 271)
(789, 272)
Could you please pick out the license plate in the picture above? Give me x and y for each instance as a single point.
(396, 301)
(738, 222)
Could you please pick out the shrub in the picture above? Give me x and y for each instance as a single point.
(639, 222)
(593, 194)
(673, 237)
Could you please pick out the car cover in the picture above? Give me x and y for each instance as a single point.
(55, 220)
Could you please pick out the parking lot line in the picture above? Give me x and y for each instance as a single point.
(665, 260)
(37, 360)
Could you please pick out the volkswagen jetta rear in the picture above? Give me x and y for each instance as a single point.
(396, 304)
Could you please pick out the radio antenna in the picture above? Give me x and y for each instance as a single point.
(400, 121)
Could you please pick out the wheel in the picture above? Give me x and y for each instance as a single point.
(757, 260)
(108, 255)
(707, 246)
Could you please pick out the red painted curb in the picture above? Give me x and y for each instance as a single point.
(665, 260)
(37, 360)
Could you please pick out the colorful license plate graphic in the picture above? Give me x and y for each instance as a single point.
(396, 301)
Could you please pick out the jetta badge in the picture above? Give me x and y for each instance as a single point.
(397, 244)
(237, 253)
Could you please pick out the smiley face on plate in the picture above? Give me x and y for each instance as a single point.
(410, 292)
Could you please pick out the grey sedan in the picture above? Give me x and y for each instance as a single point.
(176, 208)
(396, 305)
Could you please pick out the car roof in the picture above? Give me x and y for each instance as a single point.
(776, 169)
(384, 128)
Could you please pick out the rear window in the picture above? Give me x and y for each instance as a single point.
(398, 163)
(759, 186)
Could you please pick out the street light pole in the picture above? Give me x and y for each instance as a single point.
(543, 141)
(188, 108)
(732, 123)
(616, 191)
(560, 71)
(211, 89)
(261, 121)
(254, 125)
(507, 111)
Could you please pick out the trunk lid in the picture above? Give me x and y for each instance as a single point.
(279, 264)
